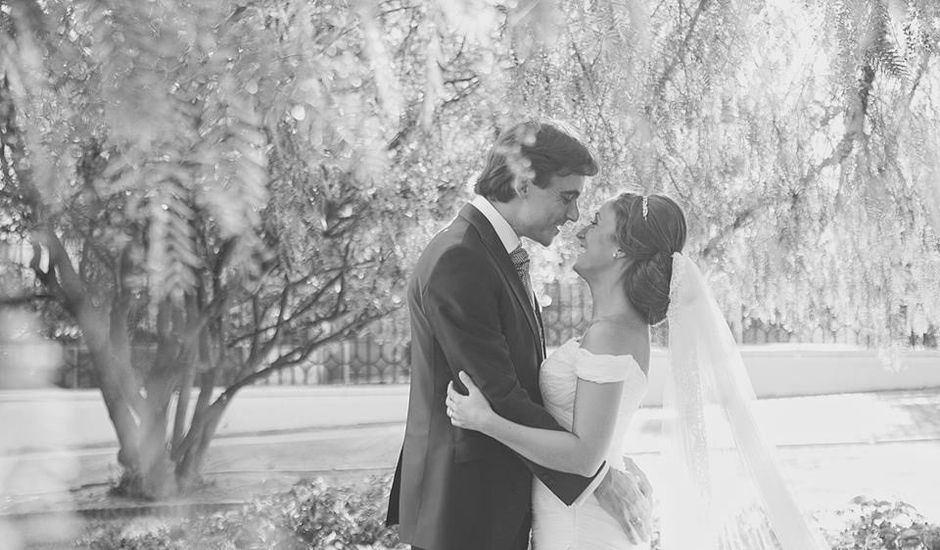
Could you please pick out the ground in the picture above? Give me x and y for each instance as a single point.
(831, 449)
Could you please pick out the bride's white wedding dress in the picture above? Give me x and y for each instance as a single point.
(584, 526)
(703, 506)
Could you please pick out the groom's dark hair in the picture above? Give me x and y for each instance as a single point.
(536, 150)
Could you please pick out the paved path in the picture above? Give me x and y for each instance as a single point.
(832, 448)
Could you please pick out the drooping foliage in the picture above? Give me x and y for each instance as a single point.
(220, 183)
(237, 184)
(799, 136)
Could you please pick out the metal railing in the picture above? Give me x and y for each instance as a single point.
(380, 355)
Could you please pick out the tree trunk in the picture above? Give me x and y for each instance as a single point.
(156, 473)
(119, 400)
(154, 480)
(189, 465)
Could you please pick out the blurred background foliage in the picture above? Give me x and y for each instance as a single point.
(238, 184)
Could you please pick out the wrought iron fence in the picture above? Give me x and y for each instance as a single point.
(380, 355)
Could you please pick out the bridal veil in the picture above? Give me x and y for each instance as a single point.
(724, 488)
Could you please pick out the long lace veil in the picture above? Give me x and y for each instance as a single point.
(724, 489)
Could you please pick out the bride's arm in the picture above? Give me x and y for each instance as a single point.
(581, 451)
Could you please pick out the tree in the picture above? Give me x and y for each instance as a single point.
(239, 184)
(798, 137)
(212, 180)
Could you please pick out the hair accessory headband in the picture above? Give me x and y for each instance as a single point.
(646, 206)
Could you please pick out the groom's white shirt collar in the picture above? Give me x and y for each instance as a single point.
(507, 235)
(505, 232)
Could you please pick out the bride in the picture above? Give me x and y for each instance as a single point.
(632, 263)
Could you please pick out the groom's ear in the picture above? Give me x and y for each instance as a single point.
(522, 187)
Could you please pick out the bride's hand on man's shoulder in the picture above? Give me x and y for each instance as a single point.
(471, 411)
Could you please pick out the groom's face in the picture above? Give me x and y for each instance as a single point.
(544, 211)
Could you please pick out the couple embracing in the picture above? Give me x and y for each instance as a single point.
(505, 447)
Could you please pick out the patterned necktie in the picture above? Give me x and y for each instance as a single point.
(520, 260)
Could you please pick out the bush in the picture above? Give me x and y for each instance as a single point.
(881, 524)
(318, 515)
(138, 534)
(312, 515)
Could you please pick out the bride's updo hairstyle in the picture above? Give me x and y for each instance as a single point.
(650, 242)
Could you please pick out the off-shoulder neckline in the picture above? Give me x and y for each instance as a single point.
(576, 340)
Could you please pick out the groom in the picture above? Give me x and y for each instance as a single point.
(472, 309)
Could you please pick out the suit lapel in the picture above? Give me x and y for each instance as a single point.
(538, 316)
(508, 272)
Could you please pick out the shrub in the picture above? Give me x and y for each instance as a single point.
(136, 534)
(319, 515)
(882, 524)
(312, 515)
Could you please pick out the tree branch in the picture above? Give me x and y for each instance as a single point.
(291, 358)
(25, 299)
(740, 219)
(683, 46)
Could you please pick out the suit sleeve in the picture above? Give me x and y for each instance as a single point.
(460, 299)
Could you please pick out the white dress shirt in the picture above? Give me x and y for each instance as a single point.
(505, 232)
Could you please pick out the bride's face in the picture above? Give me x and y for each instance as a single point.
(599, 242)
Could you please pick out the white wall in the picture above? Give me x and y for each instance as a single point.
(783, 370)
(55, 419)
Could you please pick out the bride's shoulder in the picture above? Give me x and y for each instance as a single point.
(603, 338)
(611, 339)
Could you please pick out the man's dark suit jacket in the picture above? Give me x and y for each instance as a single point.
(457, 489)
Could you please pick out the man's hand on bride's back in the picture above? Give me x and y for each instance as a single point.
(627, 497)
